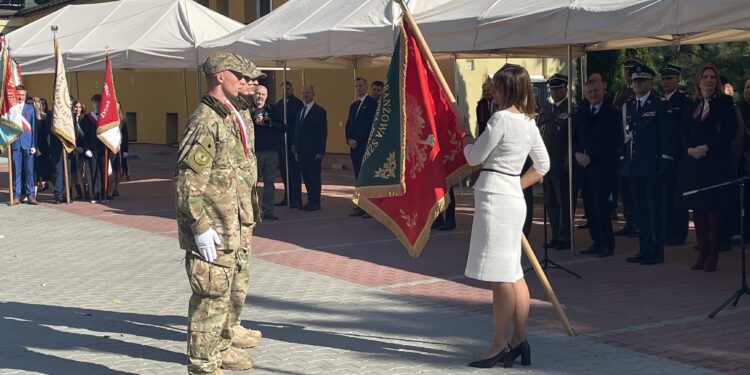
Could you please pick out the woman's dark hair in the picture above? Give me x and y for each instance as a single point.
(514, 85)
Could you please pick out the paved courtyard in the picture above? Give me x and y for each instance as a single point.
(101, 289)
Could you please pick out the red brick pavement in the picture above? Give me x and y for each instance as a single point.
(658, 310)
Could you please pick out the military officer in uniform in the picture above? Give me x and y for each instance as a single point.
(647, 160)
(675, 217)
(553, 124)
(213, 214)
(621, 97)
(240, 336)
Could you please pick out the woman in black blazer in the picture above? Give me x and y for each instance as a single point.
(709, 123)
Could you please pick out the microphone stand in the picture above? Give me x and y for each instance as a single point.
(743, 290)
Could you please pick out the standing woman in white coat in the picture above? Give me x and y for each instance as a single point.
(500, 210)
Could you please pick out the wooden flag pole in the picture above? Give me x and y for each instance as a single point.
(65, 169)
(444, 85)
(547, 287)
(10, 175)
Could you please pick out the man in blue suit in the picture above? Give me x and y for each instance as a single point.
(647, 160)
(358, 125)
(23, 150)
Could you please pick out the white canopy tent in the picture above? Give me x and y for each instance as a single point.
(140, 34)
(348, 34)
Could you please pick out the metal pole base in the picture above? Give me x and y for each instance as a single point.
(548, 263)
(734, 299)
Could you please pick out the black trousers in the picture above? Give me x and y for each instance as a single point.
(293, 187)
(648, 198)
(676, 218)
(449, 215)
(628, 207)
(598, 212)
(311, 170)
(556, 199)
(528, 196)
(357, 155)
(97, 166)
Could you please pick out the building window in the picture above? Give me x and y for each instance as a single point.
(264, 7)
(204, 3)
(222, 6)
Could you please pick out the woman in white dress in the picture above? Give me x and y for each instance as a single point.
(500, 209)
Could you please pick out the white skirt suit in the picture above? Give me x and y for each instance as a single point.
(500, 209)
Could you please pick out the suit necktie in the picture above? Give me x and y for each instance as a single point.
(238, 122)
(637, 105)
(303, 114)
(593, 111)
(358, 108)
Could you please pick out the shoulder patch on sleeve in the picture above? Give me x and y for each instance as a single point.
(201, 153)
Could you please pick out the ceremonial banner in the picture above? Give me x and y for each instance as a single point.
(414, 153)
(11, 118)
(108, 124)
(62, 116)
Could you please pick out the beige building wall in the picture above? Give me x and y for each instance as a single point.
(159, 102)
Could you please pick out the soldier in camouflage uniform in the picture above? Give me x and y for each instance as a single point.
(214, 213)
(242, 337)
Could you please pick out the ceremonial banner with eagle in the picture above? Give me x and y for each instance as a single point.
(414, 153)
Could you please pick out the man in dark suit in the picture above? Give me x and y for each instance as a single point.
(310, 146)
(597, 139)
(23, 150)
(358, 125)
(675, 217)
(98, 166)
(553, 124)
(293, 187)
(647, 160)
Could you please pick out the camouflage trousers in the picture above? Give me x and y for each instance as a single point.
(241, 279)
(215, 304)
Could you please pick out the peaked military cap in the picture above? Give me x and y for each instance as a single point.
(631, 63)
(251, 71)
(641, 71)
(669, 70)
(222, 60)
(557, 80)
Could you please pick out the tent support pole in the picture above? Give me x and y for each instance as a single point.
(286, 143)
(570, 150)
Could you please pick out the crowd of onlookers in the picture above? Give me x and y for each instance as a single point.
(38, 155)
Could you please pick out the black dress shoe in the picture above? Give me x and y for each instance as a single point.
(627, 229)
(523, 350)
(650, 261)
(604, 253)
(58, 201)
(635, 259)
(552, 244)
(282, 203)
(295, 205)
(504, 356)
(270, 217)
(563, 245)
(674, 242)
(357, 212)
(447, 226)
(304, 207)
(313, 208)
(366, 216)
(593, 249)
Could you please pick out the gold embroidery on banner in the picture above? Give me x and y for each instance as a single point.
(388, 170)
(416, 148)
(450, 156)
(411, 220)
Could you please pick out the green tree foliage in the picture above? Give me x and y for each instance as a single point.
(731, 59)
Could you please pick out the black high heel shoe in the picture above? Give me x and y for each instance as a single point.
(504, 355)
(524, 351)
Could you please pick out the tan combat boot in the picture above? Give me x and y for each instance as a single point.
(235, 359)
(242, 338)
(252, 332)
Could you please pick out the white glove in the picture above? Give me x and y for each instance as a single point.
(207, 244)
(88, 153)
(125, 155)
(32, 151)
